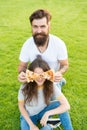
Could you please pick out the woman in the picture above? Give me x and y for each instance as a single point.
(34, 100)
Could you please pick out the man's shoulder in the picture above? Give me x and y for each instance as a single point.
(30, 39)
(56, 40)
(55, 37)
(28, 42)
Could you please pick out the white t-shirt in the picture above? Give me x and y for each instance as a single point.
(55, 51)
(35, 107)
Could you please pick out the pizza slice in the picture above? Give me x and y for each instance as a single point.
(49, 75)
(31, 76)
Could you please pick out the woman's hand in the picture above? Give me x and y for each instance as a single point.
(34, 127)
(22, 77)
(44, 119)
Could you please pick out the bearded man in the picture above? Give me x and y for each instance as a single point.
(51, 48)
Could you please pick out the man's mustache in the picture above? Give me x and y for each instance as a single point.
(42, 34)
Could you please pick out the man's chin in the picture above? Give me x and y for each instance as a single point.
(40, 40)
(39, 36)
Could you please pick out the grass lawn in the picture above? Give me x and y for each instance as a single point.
(69, 23)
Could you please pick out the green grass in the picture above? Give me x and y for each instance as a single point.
(69, 23)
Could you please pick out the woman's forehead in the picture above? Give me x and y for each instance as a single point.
(38, 70)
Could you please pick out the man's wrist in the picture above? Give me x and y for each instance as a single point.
(63, 69)
(22, 71)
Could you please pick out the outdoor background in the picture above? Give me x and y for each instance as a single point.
(69, 23)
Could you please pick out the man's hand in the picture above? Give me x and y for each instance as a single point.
(58, 76)
(22, 77)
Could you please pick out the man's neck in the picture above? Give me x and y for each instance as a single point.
(43, 48)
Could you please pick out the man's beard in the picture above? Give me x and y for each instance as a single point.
(40, 39)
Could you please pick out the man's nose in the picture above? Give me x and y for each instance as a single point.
(39, 30)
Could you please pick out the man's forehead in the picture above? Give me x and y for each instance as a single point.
(41, 21)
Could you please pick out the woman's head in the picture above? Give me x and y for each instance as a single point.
(39, 66)
(31, 89)
(39, 63)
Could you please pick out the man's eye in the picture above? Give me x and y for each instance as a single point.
(42, 26)
(35, 27)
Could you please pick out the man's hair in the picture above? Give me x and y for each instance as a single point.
(40, 13)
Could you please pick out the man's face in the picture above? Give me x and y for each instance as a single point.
(40, 31)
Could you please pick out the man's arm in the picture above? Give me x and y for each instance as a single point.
(22, 66)
(22, 69)
(63, 66)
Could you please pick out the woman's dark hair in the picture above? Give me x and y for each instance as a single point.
(31, 89)
(40, 13)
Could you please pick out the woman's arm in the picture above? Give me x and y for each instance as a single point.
(64, 106)
(26, 116)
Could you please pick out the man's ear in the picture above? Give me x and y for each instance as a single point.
(49, 25)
